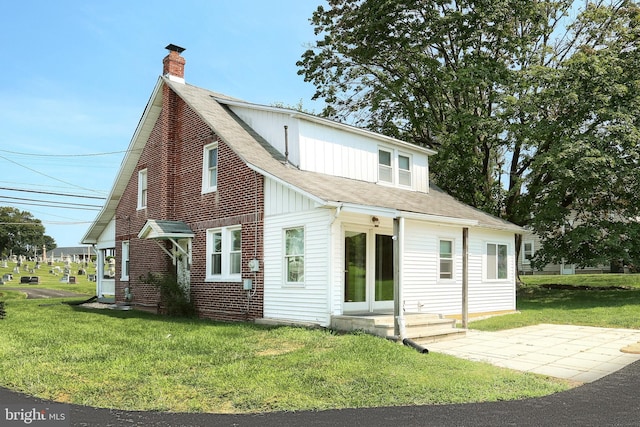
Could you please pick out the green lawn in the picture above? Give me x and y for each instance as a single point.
(138, 361)
(606, 300)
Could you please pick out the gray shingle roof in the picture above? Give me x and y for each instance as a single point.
(259, 154)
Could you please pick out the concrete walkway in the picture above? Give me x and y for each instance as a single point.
(578, 353)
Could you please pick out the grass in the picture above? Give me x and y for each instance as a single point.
(138, 361)
(605, 300)
(50, 280)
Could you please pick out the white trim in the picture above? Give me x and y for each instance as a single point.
(125, 260)
(285, 270)
(206, 187)
(143, 189)
(225, 255)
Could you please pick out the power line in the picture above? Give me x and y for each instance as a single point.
(55, 202)
(66, 155)
(52, 193)
(97, 208)
(44, 174)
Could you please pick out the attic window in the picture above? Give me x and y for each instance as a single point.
(142, 189)
(210, 168)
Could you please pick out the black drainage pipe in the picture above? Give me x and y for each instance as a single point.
(411, 343)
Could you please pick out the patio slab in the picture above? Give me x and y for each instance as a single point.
(577, 353)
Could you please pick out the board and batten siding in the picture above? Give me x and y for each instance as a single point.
(424, 292)
(270, 125)
(308, 302)
(335, 151)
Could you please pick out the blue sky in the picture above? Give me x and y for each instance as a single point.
(75, 77)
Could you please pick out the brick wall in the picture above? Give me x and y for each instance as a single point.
(173, 159)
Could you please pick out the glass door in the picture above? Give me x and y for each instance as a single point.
(383, 272)
(368, 271)
(355, 271)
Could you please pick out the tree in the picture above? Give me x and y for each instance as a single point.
(488, 84)
(585, 188)
(21, 233)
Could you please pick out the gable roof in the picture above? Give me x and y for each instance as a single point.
(329, 190)
(259, 155)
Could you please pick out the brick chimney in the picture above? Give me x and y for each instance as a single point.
(173, 64)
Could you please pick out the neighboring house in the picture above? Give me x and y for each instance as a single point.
(76, 254)
(269, 213)
(531, 243)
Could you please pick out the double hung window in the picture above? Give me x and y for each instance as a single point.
(224, 254)
(496, 261)
(210, 168)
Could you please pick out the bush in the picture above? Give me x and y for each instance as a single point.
(173, 298)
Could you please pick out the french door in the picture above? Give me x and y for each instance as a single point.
(368, 270)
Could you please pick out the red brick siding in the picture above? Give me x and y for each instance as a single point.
(173, 159)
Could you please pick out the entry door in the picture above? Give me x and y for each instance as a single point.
(368, 271)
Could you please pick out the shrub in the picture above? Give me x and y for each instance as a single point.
(173, 298)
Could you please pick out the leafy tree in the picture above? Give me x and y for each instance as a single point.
(495, 87)
(21, 233)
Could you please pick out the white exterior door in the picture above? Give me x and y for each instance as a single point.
(368, 270)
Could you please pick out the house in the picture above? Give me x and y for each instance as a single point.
(531, 243)
(268, 214)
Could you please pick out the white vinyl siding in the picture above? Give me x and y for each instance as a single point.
(283, 300)
(423, 291)
(142, 189)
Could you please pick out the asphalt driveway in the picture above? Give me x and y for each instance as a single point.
(39, 293)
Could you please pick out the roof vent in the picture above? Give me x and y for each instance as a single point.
(173, 64)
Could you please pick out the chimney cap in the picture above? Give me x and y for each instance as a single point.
(174, 48)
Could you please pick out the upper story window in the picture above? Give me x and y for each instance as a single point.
(404, 170)
(496, 261)
(224, 254)
(385, 168)
(142, 189)
(210, 168)
(394, 168)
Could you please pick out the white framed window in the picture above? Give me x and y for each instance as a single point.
(446, 259)
(142, 189)
(527, 252)
(124, 273)
(404, 170)
(224, 254)
(210, 168)
(294, 255)
(385, 165)
(497, 261)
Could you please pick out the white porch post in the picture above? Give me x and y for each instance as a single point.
(465, 277)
